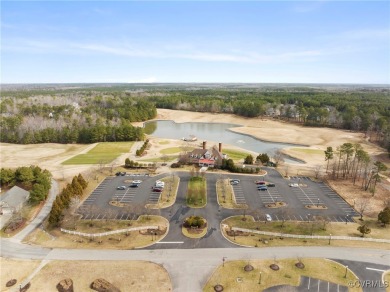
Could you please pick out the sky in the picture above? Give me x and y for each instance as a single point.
(183, 41)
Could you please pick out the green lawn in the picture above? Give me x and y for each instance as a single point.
(171, 150)
(196, 193)
(235, 154)
(102, 153)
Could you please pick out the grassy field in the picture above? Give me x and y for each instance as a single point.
(315, 228)
(225, 195)
(125, 275)
(196, 194)
(235, 154)
(160, 159)
(308, 150)
(233, 277)
(168, 195)
(15, 269)
(101, 153)
(164, 142)
(131, 240)
(171, 150)
(336, 229)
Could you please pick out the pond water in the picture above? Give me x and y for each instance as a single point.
(218, 132)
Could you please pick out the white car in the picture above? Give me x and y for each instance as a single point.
(268, 217)
(159, 183)
(137, 182)
(294, 185)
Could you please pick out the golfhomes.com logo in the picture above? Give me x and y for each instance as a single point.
(368, 284)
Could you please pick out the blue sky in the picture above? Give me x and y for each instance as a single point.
(261, 42)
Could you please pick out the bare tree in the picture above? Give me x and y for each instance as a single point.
(283, 215)
(258, 214)
(278, 157)
(362, 205)
(286, 168)
(317, 170)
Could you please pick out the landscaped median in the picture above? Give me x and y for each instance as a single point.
(225, 195)
(250, 232)
(105, 234)
(256, 275)
(194, 227)
(169, 193)
(197, 192)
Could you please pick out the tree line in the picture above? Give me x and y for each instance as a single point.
(31, 178)
(63, 201)
(80, 118)
(351, 161)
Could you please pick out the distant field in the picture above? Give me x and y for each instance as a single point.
(308, 151)
(102, 153)
(235, 154)
(160, 159)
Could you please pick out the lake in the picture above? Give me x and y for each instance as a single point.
(217, 132)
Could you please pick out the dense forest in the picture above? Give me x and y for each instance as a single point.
(91, 113)
(72, 117)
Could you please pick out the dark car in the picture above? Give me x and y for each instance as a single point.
(118, 173)
(262, 188)
(121, 188)
(133, 185)
(260, 182)
(157, 189)
(123, 173)
(270, 185)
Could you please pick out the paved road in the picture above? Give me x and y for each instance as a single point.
(190, 268)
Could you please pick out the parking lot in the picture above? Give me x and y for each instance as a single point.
(97, 205)
(305, 193)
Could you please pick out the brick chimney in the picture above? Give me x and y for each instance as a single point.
(220, 147)
(204, 144)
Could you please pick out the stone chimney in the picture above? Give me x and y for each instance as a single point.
(220, 147)
(204, 144)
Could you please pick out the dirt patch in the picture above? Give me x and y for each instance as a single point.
(315, 207)
(276, 205)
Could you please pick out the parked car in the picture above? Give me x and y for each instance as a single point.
(234, 182)
(259, 182)
(262, 188)
(157, 189)
(133, 185)
(118, 173)
(270, 185)
(121, 188)
(293, 185)
(268, 217)
(137, 182)
(123, 173)
(159, 183)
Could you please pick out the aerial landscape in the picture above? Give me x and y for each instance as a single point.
(195, 146)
